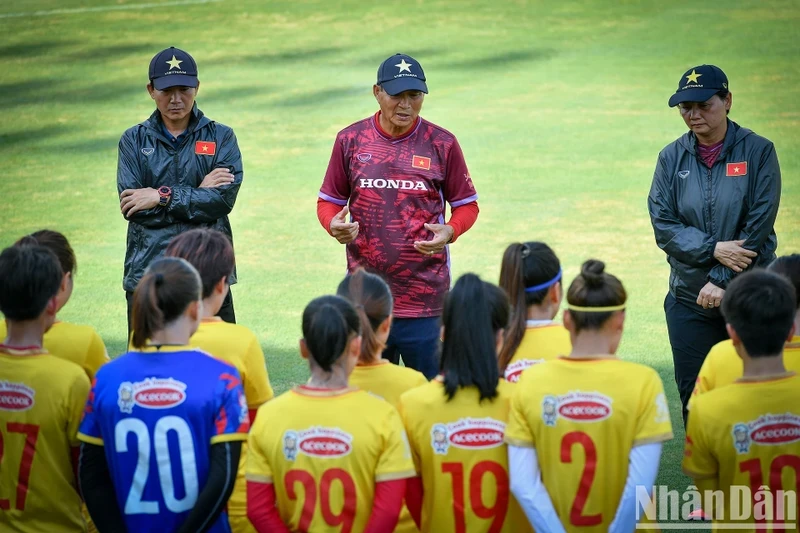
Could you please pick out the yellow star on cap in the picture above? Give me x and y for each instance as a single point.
(692, 78)
(174, 63)
(404, 66)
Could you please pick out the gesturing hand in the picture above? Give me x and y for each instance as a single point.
(134, 200)
(344, 231)
(217, 178)
(732, 255)
(710, 296)
(442, 234)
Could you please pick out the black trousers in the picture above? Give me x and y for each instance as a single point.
(691, 336)
(226, 312)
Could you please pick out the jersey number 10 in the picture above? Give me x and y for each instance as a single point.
(134, 504)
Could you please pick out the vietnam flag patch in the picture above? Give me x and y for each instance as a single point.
(421, 162)
(205, 148)
(736, 169)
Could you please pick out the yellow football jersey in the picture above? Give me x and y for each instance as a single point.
(583, 416)
(723, 365)
(539, 344)
(324, 451)
(459, 451)
(41, 401)
(73, 342)
(386, 380)
(237, 345)
(747, 435)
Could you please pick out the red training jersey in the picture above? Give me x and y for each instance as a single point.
(396, 185)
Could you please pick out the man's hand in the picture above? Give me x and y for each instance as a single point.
(132, 201)
(442, 234)
(344, 231)
(732, 255)
(217, 178)
(710, 296)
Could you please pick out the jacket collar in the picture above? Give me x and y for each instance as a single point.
(733, 136)
(196, 121)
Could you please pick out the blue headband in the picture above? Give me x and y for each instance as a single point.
(545, 285)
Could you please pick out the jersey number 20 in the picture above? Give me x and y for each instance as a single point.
(134, 504)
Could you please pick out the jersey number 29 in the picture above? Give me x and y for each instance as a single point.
(134, 504)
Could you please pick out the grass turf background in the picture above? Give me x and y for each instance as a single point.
(560, 108)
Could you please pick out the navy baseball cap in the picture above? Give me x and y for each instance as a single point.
(401, 73)
(698, 84)
(173, 67)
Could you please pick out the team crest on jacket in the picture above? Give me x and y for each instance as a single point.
(326, 443)
(152, 393)
(576, 406)
(15, 396)
(467, 433)
(514, 370)
(766, 430)
(363, 157)
(683, 174)
(148, 151)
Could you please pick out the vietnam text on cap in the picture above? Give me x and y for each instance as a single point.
(401, 73)
(173, 67)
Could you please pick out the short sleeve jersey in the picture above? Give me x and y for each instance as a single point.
(41, 401)
(723, 366)
(746, 434)
(386, 380)
(74, 342)
(459, 451)
(237, 345)
(394, 187)
(324, 451)
(539, 344)
(583, 421)
(157, 415)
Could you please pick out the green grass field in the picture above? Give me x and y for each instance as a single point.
(560, 107)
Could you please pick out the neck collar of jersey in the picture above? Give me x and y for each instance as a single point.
(373, 364)
(150, 348)
(770, 377)
(376, 123)
(538, 323)
(22, 350)
(793, 344)
(588, 358)
(307, 390)
(211, 319)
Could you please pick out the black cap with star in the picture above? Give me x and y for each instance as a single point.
(401, 73)
(173, 67)
(698, 84)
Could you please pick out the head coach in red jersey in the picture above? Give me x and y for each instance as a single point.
(393, 172)
(176, 171)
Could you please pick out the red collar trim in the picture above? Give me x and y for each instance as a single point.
(377, 124)
(305, 390)
(22, 350)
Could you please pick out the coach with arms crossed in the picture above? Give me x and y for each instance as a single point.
(396, 171)
(177, 170)
(713, 204)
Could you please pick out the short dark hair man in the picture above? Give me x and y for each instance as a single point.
(176, 171)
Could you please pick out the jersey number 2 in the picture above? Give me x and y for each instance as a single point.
(134, 504)
(31, 433)
(576, 516)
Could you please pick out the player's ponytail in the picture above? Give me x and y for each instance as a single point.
(165, 291)
(594, 288)
(526, 275)
(474, 311)
(329, 324)
(372, 299)
(789, 267)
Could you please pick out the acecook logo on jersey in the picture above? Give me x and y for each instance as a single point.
(467, 433)
(317, 442)
(151, 393)
(766, 430)
(15, 396)
(576, 406)
(514, 370)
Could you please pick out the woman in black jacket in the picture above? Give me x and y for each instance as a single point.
(713, 204)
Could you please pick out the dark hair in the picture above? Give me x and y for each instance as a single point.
(789, 267)
(469, 352)
(329, 323)
(209, 251)
(372, 299)
(524, 265)
(167, 288)
(29, 277)
(723, 94)
(760, 305)
(56, 243)
(594, 288)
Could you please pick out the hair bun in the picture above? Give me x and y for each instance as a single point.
(28, 240)
(592, 273)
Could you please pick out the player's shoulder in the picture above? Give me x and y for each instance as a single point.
(408, 376)
(437, 131)
(72, 330)
(355, 127)
(426, 394)
(53, 365)
(721, 351)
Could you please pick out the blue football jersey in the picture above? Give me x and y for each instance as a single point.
(157, 413)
